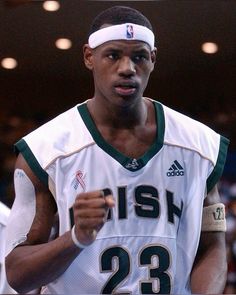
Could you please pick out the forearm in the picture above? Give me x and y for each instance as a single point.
(30, 267)
(209, 272)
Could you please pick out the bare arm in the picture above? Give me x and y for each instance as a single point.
(36, 262)
(210, 268)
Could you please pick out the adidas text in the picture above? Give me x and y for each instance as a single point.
(175, 173)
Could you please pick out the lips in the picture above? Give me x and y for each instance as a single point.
(126, 88)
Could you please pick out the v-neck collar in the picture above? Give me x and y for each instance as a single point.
(130, 164)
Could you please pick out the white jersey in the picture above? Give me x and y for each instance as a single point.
(4, 214)
(149, 242)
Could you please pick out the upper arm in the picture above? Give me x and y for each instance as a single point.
(210, 266)
(213, 197)
(33, 210)
(211, 239)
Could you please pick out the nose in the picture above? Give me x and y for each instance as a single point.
(126, 67)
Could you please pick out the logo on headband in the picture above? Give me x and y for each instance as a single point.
(129, 32)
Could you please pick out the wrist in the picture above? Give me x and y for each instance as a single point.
(75, 240)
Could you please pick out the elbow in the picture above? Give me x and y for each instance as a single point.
(14, 276)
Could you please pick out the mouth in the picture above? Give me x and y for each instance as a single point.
(126, 88)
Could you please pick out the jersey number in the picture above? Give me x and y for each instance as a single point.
(119, 258)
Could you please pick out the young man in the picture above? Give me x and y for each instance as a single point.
(128, 178)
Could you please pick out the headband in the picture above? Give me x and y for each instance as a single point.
(126, 31)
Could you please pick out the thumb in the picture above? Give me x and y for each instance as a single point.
(109, 199)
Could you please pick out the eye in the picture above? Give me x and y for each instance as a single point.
(113, 56)
(140, 57)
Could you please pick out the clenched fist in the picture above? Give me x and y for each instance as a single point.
(90, 214)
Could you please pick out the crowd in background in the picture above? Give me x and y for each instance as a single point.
(13, 127)
(228, 195)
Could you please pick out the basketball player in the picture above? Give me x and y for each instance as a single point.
(132, 181)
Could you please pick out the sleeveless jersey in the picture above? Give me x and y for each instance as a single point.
(150, 239)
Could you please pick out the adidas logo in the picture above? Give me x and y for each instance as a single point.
(175, 169)
(133, 165)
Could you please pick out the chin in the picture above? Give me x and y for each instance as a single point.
(126, 101)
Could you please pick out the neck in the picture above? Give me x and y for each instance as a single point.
(117, 116)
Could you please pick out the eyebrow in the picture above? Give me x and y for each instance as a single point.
(116, 48)
(117, 43)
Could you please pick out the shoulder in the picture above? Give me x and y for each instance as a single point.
(56, 128)
(190, 134)
(176, 121)
(60, 136)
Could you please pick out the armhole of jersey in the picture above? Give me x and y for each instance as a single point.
(22, 147)
(219, 167)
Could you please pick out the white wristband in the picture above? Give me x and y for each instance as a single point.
(75, 240)
(213, 218)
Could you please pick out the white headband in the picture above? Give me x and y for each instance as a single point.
(126, 31)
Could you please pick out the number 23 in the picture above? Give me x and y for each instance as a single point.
(146, 257)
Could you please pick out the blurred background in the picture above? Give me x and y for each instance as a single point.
(42, 73)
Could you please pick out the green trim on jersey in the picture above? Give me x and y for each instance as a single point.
(219, 167)
(128, 163)
(22, 147)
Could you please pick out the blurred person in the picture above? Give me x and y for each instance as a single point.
(4, 214)
(134, 184)
(231, 239)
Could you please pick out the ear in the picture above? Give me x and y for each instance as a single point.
(153, 57)
(88, 57)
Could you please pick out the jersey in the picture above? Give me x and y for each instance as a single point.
(150, 239)
(4, 214)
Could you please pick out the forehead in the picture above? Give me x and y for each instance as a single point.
(125, 45)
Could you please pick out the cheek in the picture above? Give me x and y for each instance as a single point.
(103, 73)
(145, 76)
(99, 72)
(102, 81)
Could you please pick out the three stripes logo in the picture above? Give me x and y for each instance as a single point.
(175, 169)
